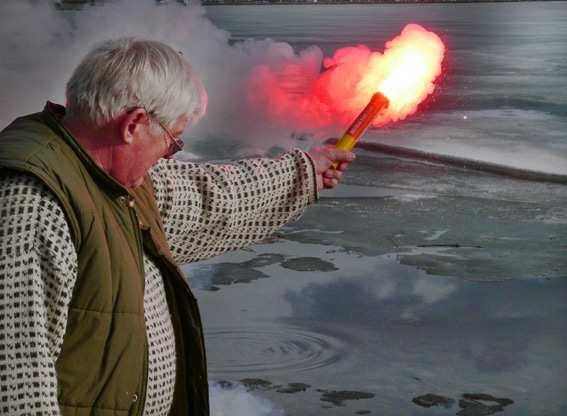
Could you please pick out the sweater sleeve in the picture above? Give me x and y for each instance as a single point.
(37, 275)
(209, 209)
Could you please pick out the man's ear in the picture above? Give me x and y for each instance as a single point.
(133, 121)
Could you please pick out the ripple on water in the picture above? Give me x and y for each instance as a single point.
(255, 350)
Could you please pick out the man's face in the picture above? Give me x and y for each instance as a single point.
(149, 144)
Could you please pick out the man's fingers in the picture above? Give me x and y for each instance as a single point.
(330, 183)
(333, 174)
(339, 155)
(329, 163)
(343, 166)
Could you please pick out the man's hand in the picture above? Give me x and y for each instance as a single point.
(323, 158)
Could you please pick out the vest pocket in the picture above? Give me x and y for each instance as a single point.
(102, 362)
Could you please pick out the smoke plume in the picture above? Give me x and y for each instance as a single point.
(405, 73)
(261, 92)
(40, 46)
(234, 400)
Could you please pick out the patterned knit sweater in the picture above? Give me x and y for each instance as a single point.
(38, 262)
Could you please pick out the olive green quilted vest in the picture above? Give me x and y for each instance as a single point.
(103, 364)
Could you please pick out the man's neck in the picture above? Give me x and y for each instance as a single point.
(98, 142)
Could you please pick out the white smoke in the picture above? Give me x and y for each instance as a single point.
(40, 46)
(234, 400)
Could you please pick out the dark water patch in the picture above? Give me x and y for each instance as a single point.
(448, 245)
(481, 265)
(338, 397)
(224, 384)
(253, 384)
(309, 264)
(487, 397)
(256, 384)
(471, 404)
(265, 259)
(229, 273)
(363, 412)
(293, 388)
(430, 400)
(480, 404)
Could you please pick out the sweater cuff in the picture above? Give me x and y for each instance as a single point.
(310, 171)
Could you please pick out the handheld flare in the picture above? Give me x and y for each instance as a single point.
(377, 103)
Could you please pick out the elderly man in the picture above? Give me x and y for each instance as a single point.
(96, 317)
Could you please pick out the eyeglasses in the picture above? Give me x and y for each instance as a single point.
(175, 143)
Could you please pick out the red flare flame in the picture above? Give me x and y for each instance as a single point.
(405, 73)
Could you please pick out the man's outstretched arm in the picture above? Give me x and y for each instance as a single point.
(209, 209)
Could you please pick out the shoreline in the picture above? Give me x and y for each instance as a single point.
(357, 2)
(462, 162)
(72, 4)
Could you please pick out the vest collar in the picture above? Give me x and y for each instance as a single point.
(52, 114)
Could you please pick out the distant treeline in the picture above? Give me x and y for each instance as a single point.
(77, 4)
(268, 2)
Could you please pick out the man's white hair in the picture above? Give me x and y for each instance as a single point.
(125, 73)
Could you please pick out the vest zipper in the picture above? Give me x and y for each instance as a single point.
(134, 217)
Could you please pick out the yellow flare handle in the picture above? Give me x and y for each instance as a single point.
(377, 103)
(346, 143)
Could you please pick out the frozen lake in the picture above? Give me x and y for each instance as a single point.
(412, 278)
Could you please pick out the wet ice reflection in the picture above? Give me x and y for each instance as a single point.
(373, 325)
(270, 350)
